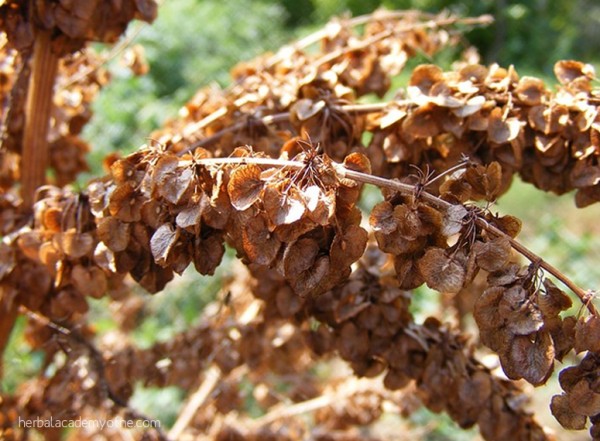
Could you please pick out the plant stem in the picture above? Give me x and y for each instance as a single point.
(357, 109)
(37, 118)
(315, 37)
(482, 223)
(212, 377)
(198, 398)
(8, 317)
(97, 362)
(34, 152)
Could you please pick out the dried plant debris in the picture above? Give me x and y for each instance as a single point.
(72, 24)
(276, 173)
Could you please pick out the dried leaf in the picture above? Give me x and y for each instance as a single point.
(415, 221)
(502, 130)
(508, 224)
(176, 185)
(114, 233)
(260, 244)
(305, 108)
(190, 217)
(486, 308)
(583, 400)
(530, 90)
(74, 244)
(567, 71)
(357, 162)
(245, 186)
(320, 205)
(441, 272)
(422, 122)
(553, 300)
(453, 220)
(395, 243)
(347, 248)
(124, 203)
(299, 257)
(521, 315)
(529, 357)
(485, 181)
(560, 408)
(283, 208)
(584, 174)
(89, 281)
(382, 218)
(472, 106)
(456, 189)
(208, 253)
(425, 76)
(154, 278)
(548, 120)
(165, 167)
(391, 117)
(493, 254)
(394, 148)
(162, 243)
(409, 277)
(311, 280)
(587, 334)
(146, 10)
(587, 196)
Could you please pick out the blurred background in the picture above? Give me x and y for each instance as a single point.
(194, 43)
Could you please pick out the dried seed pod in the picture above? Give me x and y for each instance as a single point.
(442, 272)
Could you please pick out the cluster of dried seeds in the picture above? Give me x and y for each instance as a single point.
(72, 24)
(309, 86)
(287, 204)
(551, 139)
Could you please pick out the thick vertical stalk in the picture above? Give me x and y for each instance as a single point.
(8, 316)
(34, 158)
(39, 105)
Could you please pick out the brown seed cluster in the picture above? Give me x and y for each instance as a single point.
(78, 81)
(551, 139)
(286, 202)
(72, 24)
(374, 331)
(309, 86)
(159, 213)
(581, 398)
(365, 320)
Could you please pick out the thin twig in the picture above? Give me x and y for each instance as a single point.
(114, 52)
(211, 379)
(481, 222)
(459, 166)
(324, 32)
(339, 396)
(357, 109)
(432, 22)
(98, 364)
(198, 398)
